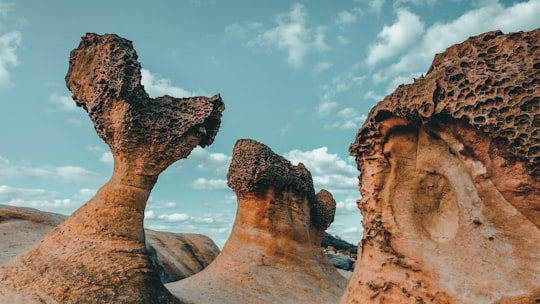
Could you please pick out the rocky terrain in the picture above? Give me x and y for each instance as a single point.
(175, 256)
(273, 254)
(450, 184)
(450, 180)
(98, 254)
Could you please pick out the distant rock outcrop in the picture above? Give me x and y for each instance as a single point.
(450, 180)
(273, 254)
(175, 256)
(98, 254)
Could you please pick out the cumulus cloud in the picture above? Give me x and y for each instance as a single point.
(43, 199)
(328, 170)
(347, 17)
(209, 184)
(349, 118)
(63, 103)
(321, 67)
(10, 41)
(64, 174)
(207, 161)
(340, 83)
(394, 39)
(291, 34)
(488, 16)
(156, 86)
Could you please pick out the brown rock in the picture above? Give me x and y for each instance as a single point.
(175, 256)
(450, 180)
(98, 254)
(273, 254)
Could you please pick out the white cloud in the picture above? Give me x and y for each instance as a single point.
(328, 170)
(9, 42)
(339, 84)
(348, 119)
(347, 206)
(175, 217)
(487, 16)
(291, 34)
(64, 174)
(395, 38)
(326, 107)
(107, 157)
(347, 17)
(209, 184)
(43, 199)
(216, 162)
(155, 85)
(321, 67)
(63, 103)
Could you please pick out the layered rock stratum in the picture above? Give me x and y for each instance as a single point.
(98, 254)
(273, 254)
(450, 180)
(175, 256)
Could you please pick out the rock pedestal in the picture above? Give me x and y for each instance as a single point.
(450, 180)
(98, 254)
(273, 254)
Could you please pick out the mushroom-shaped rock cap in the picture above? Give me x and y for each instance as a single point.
(105, 79)
(273, 254)
(255, 169)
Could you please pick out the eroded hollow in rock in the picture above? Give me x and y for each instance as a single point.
(450, 181)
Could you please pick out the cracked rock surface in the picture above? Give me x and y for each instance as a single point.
(450, 180)
(98, 254)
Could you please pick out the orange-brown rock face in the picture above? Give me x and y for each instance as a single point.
(450, 180)
(273, 254)
(98, 254)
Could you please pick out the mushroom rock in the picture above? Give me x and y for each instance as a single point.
(450, 180)
(98, 253)
(273, 254)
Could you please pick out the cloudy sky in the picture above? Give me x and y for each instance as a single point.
(299, 77)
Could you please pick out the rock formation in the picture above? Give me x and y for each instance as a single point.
(273, 254)
(450, 180)
(98, 253)
(175, 256)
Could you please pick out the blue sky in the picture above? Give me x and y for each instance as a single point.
(299, 77)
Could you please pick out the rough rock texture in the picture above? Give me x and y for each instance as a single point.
(98, 254)
(450, 180)
(175, 256)
(273, 254)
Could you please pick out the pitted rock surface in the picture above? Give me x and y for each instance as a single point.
(450, 180)
(273, 254)
(98, 254)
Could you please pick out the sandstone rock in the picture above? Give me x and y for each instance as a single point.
(273, 254)
(340, 261)
(98, 254)
(175, 256)
(450, 180)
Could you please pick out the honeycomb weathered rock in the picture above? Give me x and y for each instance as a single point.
(450, 180)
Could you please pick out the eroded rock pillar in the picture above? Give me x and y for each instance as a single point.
(98, 254)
